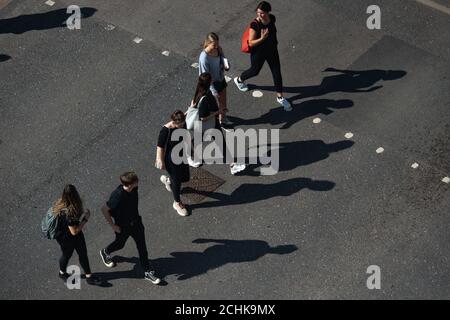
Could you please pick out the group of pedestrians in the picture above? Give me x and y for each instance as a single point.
(210, 99)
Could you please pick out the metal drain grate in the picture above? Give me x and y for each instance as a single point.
(201, 180)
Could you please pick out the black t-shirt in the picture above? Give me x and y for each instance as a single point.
(64, 222)
(207, 105)
(271, 41)
(165, 140)
(124, 206)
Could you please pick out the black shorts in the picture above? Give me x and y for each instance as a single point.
(220, 85)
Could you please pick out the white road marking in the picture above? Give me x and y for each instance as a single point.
(446, 180)
(257, 94)
(380, 150)
(110, 27)
(194, 65)
(165, 53)
(137, 40)
(349, 135)
(435, 6)
(228, 79)
(317, 120)
(50, 3)
(415, 165)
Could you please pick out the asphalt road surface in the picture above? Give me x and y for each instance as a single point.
(82, 106)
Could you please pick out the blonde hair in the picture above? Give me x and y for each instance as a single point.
(210, 38)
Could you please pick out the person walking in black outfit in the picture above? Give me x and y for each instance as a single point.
(69, 209)
(123, 207)
(178, 173)
(263, 43)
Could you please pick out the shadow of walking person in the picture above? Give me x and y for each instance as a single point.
(347, 81)
(4, 57)
(350, 81)
(277, 116)
(298, 153)
(254, 192)
(186, 265)
(40, 21)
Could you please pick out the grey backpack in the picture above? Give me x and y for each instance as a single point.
(50, 225)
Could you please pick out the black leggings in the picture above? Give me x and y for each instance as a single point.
(70, 243)
(137, 232)
(175, 186)
(257, 60)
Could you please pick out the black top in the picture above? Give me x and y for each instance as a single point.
(64, 222)
(271, 41)
(207, 105)
(165, 140)
(124, 206)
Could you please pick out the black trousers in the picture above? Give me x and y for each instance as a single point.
(257, 59)
(137, 231)
(68, 244)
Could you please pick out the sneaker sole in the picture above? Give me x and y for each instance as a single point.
(104, 262)
(154, 282)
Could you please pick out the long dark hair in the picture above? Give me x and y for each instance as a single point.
(70, 201)
(204, 81)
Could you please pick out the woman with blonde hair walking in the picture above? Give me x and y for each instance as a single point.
(213, 61)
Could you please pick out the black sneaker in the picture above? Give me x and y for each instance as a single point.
(226, 127)
(64, 276)
(106, 258)
(94, 280)
(150, 276)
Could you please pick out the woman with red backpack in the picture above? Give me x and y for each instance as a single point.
(262, 45)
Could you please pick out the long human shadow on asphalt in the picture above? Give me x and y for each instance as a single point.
(300, 153)
(4, 57)
(40, 21)
(189, 264)
(351, 81)
(277, 116)
(253, 192)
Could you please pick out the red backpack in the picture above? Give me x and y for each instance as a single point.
(245, 37)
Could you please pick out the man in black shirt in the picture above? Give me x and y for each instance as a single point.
(123, 207)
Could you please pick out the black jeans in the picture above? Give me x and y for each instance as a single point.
(257, 60)
(137, 231)
(68, 244)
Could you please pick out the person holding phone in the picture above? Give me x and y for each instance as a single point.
(263, 43)
(71, 220)
(213, 61)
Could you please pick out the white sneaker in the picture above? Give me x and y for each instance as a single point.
(286, 104)
(182, 211)
(241, 85)
(237, 167)
(193, 163)
(166, 180)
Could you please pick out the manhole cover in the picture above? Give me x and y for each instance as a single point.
(201, 182)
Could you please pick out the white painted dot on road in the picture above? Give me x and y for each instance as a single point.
(110, 27)
(380, 150)
(446, 180)
(317, 120)
(194, 65)
(257, 94)
(137, 40)
(415, 165)
(228, 79)
(50, 3)
(165, 53)
(349, 135)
